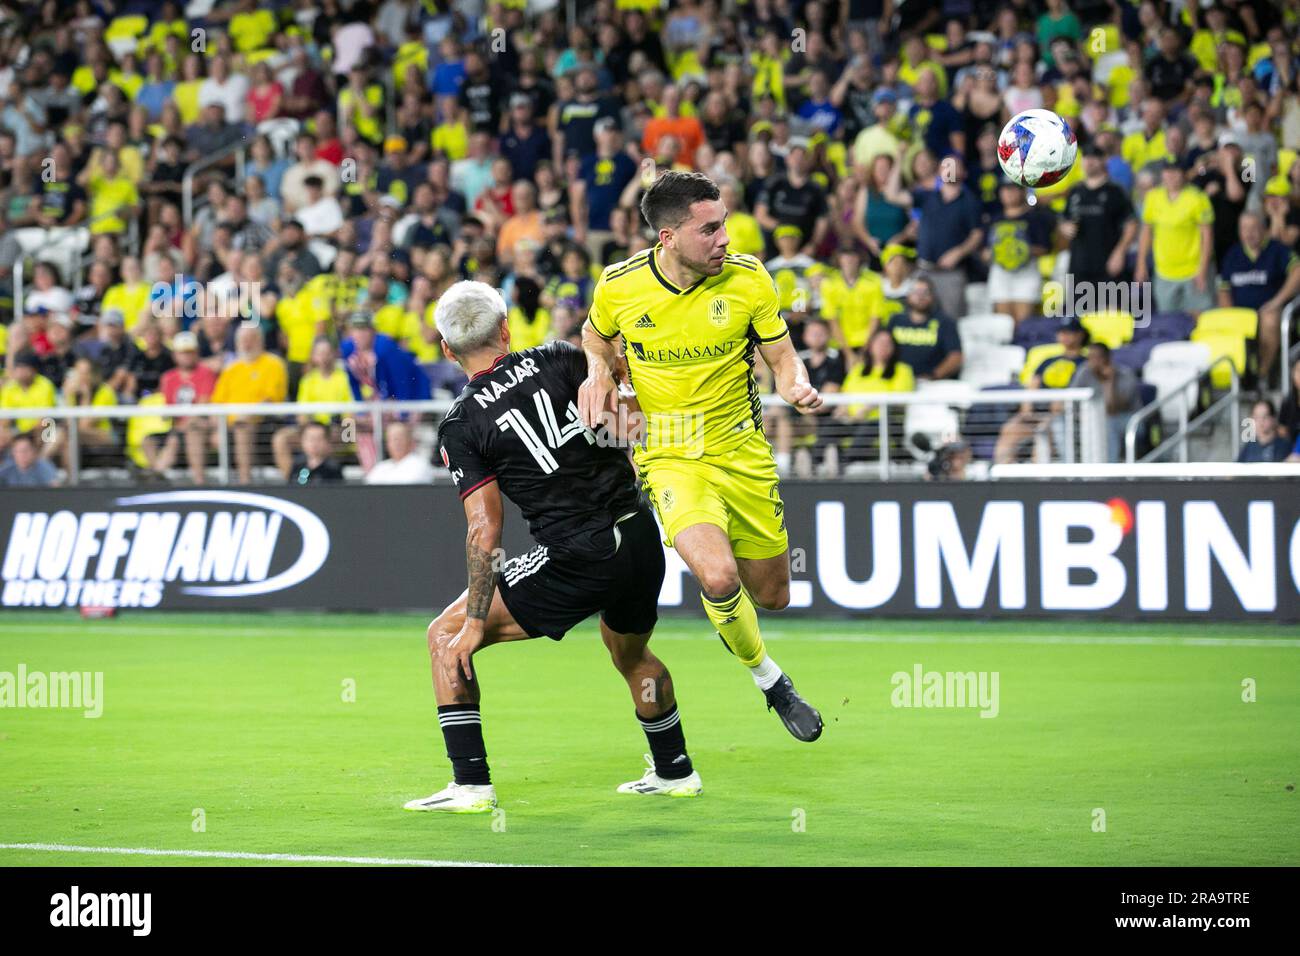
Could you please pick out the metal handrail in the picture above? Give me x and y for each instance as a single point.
(1185, 425)
(1284, 353)
(238, 150)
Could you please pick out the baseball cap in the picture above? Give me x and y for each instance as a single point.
(884, 95)
(604, 123)
(113, 317)
(360, 320)
(1072, 324)
(395, 144)
(787, 230)
(895, 249)
(1229, 138)
(185, 342)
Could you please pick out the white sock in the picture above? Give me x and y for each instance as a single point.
(765, 673)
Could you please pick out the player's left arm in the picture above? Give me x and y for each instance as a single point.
(772, 335)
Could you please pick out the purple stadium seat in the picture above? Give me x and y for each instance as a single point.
(1035, 330)
(1134, 355)
(1165, 327)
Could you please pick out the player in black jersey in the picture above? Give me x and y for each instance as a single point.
(515, 431)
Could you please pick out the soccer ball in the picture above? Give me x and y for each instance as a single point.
(1037, 148)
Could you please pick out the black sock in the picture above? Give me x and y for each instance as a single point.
(667, 744)
(462, 730)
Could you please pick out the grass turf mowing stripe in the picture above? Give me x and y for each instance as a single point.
(237, 855)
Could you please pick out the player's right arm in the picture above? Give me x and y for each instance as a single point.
(484, 517)
(596, 394)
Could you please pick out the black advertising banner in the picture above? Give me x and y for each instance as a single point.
(1127, 550)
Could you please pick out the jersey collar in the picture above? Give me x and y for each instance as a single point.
(490, 368)
(663, 280)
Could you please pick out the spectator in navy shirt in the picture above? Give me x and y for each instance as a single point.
(596, 191)
(948, 233)
(525, 143)
(1266, 444)
(936, 119)
(1260, 273)
(927, 340)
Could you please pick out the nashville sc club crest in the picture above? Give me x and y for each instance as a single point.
(719, 311)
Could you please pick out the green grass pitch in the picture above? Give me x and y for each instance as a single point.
(243, 717)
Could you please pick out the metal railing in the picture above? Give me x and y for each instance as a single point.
(1186, 424)
(879, 439)
(238, 150)
(1285, 350)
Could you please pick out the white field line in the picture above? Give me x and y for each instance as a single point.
(236, 855)
(779, 633)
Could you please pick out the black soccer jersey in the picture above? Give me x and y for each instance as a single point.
(517, 424)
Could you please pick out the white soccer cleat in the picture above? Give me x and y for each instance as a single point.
(458, 798)
(651, 784)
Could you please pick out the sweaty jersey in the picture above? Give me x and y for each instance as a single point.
(690, 352)
(517, 424)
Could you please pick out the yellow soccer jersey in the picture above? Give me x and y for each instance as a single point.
(690, 352)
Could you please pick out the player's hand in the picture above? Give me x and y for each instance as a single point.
(595, 397)
(459, 650)
(804, 398)
(1115, 263)
(1069, 229)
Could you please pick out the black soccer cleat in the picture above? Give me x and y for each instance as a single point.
(799, 716)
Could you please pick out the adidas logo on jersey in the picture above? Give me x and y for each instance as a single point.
(645, 322)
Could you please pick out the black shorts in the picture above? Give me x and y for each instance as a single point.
(548, 591)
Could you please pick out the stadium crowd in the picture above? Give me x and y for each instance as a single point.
(272, 197)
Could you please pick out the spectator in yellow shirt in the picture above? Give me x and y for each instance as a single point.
(255, 376)
(26, 388)
(879, 371)
(130, 296)
(852, 300)
(1177, 225)
(325, 380)
(113, 197)
(84, 387)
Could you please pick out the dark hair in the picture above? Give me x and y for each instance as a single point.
(313, 424)
(1267, 403)
(667, 203)
(891, 365)
(24, 436)
(1099, 347)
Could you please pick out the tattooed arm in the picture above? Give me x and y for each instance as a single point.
(483, 513)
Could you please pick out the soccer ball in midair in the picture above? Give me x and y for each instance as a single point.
(1037, 148)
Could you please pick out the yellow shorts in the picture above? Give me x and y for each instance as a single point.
(737, 491)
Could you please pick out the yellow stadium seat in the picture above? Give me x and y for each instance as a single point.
(1285, 159)
(126, 27)
(142, 426)
(1229, 321)
(1036, 357)
(1110, 328)
(1233, 346)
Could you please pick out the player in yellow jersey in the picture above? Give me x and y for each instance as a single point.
(691, 317)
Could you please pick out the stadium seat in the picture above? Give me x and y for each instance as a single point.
(991, 328)
(1035, 330)
(1227, 321)
(1165, 327)
(1110, 328)
(281, 131)
(1233, 346)
(1133, 355)
(938, 423)
(1036, 357)
(1174, 366)
(998, 365)
(977, 298)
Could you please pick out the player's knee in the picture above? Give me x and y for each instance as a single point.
(774, 598)
(441, 631)
(720, 582)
